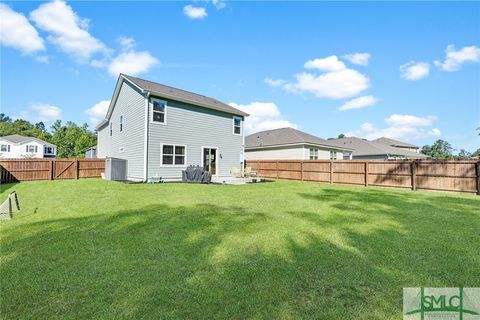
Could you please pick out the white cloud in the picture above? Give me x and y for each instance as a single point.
(126, 42)
(358, 58)
(330, 63)
(414, 70)
(41, 112)
(397, 120)
(454, 59)
(132, 63)
(194, 12)
(274, 82)
(403, 127)
(17, 32)
(67, 30)
(333, 85)
(219, 4)
(359, 103)
(98, 112)
(263, 116)
(335, 80)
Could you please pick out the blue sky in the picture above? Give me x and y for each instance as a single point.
(406, 70)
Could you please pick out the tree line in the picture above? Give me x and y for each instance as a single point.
(71, 140)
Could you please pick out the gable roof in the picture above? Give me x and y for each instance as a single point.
(394, 143)
(285, 136)
(18, 139)
(363, 147)
(164, 91)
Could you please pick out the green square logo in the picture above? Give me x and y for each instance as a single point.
(441, 303)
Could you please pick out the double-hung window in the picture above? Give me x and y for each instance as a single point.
(111, 129)
(237, 125)
(5, 148)
(313, 154)
(173, 155)
(31, 148)
(121, 123)
(333, 155)
(159, 110)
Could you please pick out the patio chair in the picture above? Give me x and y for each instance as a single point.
(236, 173)
(249, 172)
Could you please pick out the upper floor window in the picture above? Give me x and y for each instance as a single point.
(173, 155)
(158, 110)
(333, 155)
(121, 123)
(237, 125)
(31, 148)
(111, 129)
(5, 148)
(313, 154)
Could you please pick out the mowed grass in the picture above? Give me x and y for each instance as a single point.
(97, 249)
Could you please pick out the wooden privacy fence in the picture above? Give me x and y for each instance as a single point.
(449, 175)
(14, 170)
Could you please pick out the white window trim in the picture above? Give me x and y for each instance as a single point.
(241, 125)
(45, 150)
(120, 123)
(217, 153)
(333, 152)
(316, 152)
(110, 129)
(8, 148)
(35, 148)
(150, 105)
(173, 165)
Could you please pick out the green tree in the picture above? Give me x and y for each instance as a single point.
(441, 149)
(71, 139)
(341, 135)
(463, 154)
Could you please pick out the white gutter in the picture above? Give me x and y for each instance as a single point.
(145, 141)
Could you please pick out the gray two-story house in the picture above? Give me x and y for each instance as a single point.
(161, 130)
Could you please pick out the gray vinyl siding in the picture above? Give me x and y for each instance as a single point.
(371, 157)
(193, 127)
(131, 104)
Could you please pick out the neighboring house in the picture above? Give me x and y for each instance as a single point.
(17, 146)
(398, 144)
(161, 130)
(290, 144)
(91, 152)
(364, 149)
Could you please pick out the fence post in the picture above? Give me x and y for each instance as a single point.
(366, 173)
(301, 164)
(76, 169)
(331, 172)
(277, 170)
(413, 165)
(478, 177)
(52, 165)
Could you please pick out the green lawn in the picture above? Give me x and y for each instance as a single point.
(97, 249)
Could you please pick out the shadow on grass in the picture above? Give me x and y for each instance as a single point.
(172, 262)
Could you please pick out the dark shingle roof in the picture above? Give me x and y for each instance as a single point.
(363, 147)
(16, 138)
(182, 95)
(285, 136)
(394, 143)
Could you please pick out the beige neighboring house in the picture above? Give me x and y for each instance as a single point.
(17, 146)
(379, 149)
(291, 144)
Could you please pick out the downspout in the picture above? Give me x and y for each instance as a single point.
(145, 141)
